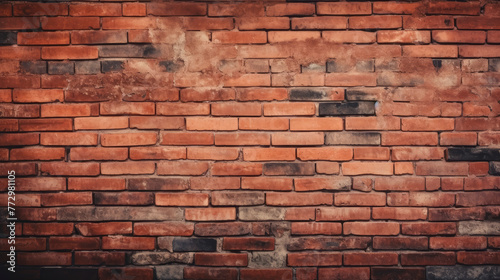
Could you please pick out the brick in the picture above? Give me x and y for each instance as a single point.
(43, 38)
(261, 213)
(221, 259)
(313, 228)
(472, 154)
(37, 9)
(157, 153)
(210, 214)
(297, 138)
(48, 229)
(359, 199)
(314, 259)
(128, 139)
(189, 138)
(344, 8)
(428, 22)
(350, 80)
(99, 258)
(19, 82)
(448, 36)
(40, 184)
(182, 168)
(120, 273)
(256, 23)
(399, 213)
(236, 109)
(331, 154)
(299, 214)
(198, 94)
(352, 138)
(134, 9)
(19, 111)
(361, 273)
(456, 214)
(328, 243)
(472, 258)
(409, 138)
(37, 154)
(290, 9)
(177, 9)
(268, 154)
(184, 199)
(242, 139)
(210, 273)
(379, 22)
(428, 258)
(371, 228)
(73, 52)
(349, 36)
(74, 243)
(478, 228)
(202, 123)
(303, 199)
(351, 108)
(239, 37)
(65, 110)
(97, 229)
(124, 198)
(236, 9)
(371, 153)
(12, 23)
(477, 198)
(101, 123)
(127, 243)
(309, 184)
(8, 38)
(70, 169)
(33, 67)
(37, 95)
(214, 183)
(371, 258)
(44, 258)
(453, 8)
(194, 245)
(295, 36)
(343, 214)
(248, 243)
(327, 168)
(417, 153)
(311, 94)
(441, 168)
(128, 23)
(477, 23)
(284, 109)
(457, 243)
(237, 198)
(222, 229)
(398, 273)
(276, 184)
(88, 9)
(124, 168)
(493, 36)
(400, 243)
(319, 23)
(404, 37)
(147, 51)
(400, 184)
(263, 124)
(26, 244)
(141, 184)
(365, 168)
(236, 169)
(372, 123)
(70, 23)
(424, 228)
(208, 23)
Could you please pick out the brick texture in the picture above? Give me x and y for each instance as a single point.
(276, 139)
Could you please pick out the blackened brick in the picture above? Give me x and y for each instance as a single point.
(194, 245)
(352, 138)
(495, 168)
(365, 66)
(143, 51)
(347, 108)
(285, 169)
(8, 38)
(334, 67)
(111, 66)
(396, 273)
(47, 273)
(472, 154)
(88, 67)
(34, 67)
(352, 94)
(171, 66)
(314, 93)
(459, 272)
(494, 64)
(61, 68)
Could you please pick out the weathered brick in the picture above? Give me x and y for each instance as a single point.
(194, 245)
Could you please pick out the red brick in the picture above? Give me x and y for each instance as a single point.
(66, 110)
(195, 23)
(430, 51)
(248, 243)
(70, 23)
(458, 243)
(70, 169)
(484, 51)
(239, 37)
(299, 214)
(25, 244)
(291, 9)
(187, 138)
(474, 184)
(96, 184)
(215, 183)
(287, 36)
(349, 36)
(263, 123)
(371, 153)
(73, 52)
(428, 258)
(298, 199)
(37, 154)
(49, 229)
(65, 199)
(108, 228)
(399, 243)
(242, 139)
(268, 154)
(182, 168)
(20, 111)
(319, 183)
(124, 168)
(314, 228)
(14, 139)
(432, 199)
(157, 153)
(297, 138)
(21, 169)
(449, 36)
(404, 37)
(210, 214)
(359, 199)
(370, 258)
(459, 138)
(403, 168)
(99, 258)
(493, 36)
(314, 259)
(164, 229)
(409, 139)
(371, 228)
(98, 37)
(5, 10)
(474, 124)
(128, 139)
(400, 184)
(128, 23)
(74, 243)
(37, 95)
(212, 153)
(417, 153)
(255, 23)
(177, 9)
(100, 123)
(442, 168)
(477, 198)
(183, 109)
(360, 273)
(222, 229)
(38, 9)
(182, 199)
(331, 154)
(289, 109)
(272, 184)
(236, 109)
(350, 79)
(205, 123)
(199, 94)
(20, 81)
(365, 168)
(478, 23)
(37, 214)
(128, 243)
(399, 213)
(126, 273)
(344, 8)
(424, 228)
(428, 22)
(43, 38)
(379, 22)
(327, 168)
(248, 80)
(134, 9)
(210, 273)
(207, 259)
(11, 23)
(372, 123)
(127, 108)
(343, 214)
(44, 259)
(316, 124)
(475, 258)
(88, 9)
(22, 200)
(443, 8)
(457, 214)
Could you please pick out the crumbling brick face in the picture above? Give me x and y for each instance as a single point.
(244, 140)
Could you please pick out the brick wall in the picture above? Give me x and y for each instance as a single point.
(251, 140)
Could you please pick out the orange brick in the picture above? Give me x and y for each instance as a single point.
(319, 124)
(73, 52)
(268, 154)
(366, 168)
(290, 9)
(239, 37)
(202, 123)
(255, 23)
